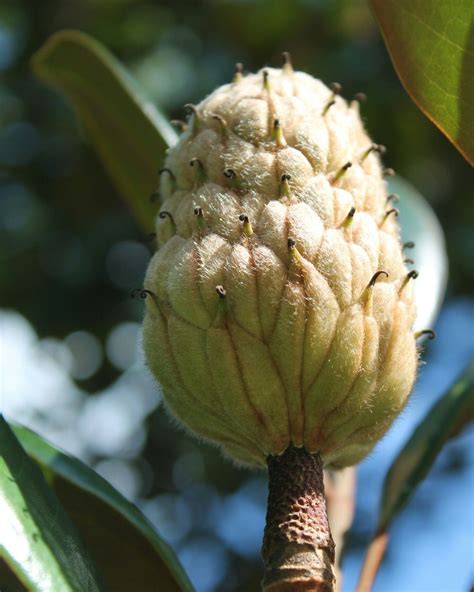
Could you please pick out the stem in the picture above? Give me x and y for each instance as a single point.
(372, 561)
(298, 550)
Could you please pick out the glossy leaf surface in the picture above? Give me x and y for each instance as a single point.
(419, 224)
(432, 48)
(128, 551)
(38, 541)
(129, 134)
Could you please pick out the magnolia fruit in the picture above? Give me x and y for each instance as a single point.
(280, 309)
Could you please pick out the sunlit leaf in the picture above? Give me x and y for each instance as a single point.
(446, 418)
(129, 134)
(419, 223)
(432, 48)
(127, 549)
(37, 538)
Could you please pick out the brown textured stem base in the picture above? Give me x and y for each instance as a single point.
(298, 550)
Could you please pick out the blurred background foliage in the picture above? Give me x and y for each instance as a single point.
(71, 253)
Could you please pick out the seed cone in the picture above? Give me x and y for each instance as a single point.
(268, 324)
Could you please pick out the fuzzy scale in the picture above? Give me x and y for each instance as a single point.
(297, 348)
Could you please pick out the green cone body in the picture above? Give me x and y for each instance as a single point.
(295, 345)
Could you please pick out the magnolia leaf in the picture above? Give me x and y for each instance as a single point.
(432, 48)
(127, 549)
(38, 541)
(128, 132)
(418, 222)
(446, 418)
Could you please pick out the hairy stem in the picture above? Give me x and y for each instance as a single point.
(298, 550)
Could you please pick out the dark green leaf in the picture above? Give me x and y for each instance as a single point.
(432, 48)
(37, 539)
(128, 132)
(127, 549)
(445, 419)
